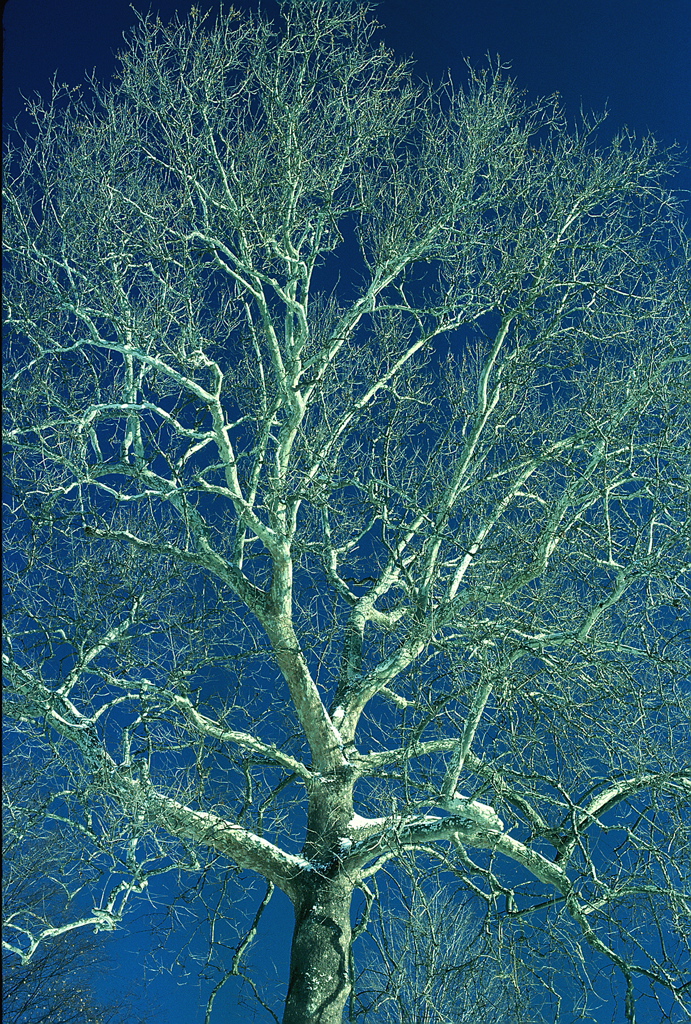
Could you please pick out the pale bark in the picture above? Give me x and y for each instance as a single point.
(319, 982)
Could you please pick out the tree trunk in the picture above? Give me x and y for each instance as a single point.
(319, 979)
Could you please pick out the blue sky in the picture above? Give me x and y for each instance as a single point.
(633, 56)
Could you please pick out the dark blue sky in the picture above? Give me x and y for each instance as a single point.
(633, 56)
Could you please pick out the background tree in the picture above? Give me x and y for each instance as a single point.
(57, 984)
(349, 518)
(430, 958)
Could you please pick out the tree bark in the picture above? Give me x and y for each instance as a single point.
(319, 979)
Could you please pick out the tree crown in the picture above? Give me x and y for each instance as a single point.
(349, 429)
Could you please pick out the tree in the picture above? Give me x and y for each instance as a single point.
(435, 961)
(57, 983)
(348, 453)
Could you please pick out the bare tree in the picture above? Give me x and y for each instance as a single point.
(58, 983)
(429, 958)
(349, 459)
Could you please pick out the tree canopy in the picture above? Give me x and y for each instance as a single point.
(347, 431)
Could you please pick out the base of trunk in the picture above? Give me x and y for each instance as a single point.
(319, 976)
